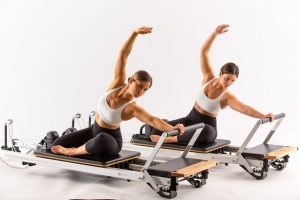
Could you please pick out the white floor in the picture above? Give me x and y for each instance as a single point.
(224, 182)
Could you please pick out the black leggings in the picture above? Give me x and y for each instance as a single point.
(99, 141)
(208, 134)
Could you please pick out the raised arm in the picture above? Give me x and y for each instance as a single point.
(205, 65)
(120, 67)
(237, 105)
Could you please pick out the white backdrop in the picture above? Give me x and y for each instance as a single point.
(57, 57)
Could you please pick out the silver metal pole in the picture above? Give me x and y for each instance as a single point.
(249, 137)
(272, 131)
(192, 141)
(155, 151)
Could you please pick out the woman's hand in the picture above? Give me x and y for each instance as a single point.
(143, 30)
(271, 116)
(222, 28)
(180, 128)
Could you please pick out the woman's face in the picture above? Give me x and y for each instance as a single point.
(227, 79)
(138, 88)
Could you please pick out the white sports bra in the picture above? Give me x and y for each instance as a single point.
(110, 115)
(207, 104)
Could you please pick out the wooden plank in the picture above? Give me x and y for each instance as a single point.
(279, 153)
(85, 163)
(179, 149)
(195, 168)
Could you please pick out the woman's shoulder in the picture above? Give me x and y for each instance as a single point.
(208, 79)
(113, 88)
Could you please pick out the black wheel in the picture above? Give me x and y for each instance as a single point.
(263, 175)
(167, 193)
(197, 184)
(279, 166)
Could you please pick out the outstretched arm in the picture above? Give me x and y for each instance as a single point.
(138, 112)
(237, 105)
(120, 67)
(206, 68)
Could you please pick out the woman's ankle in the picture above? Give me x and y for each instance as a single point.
(69, 152)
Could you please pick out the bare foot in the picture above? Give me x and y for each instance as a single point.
(154, 138)
(61, 150)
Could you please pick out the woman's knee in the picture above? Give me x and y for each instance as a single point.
(103, 144)
(211, 133)
(208, 134)
(99, 140)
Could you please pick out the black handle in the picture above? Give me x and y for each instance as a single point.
(268, 119)
(188, 128)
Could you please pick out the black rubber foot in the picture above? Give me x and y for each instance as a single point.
(28, 163)
(168, 194)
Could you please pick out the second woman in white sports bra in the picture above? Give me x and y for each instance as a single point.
(213, 96)
(104, 137)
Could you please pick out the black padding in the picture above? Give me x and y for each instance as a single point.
(260, 151)
(139, 139)
(165, 169)
(90, 159)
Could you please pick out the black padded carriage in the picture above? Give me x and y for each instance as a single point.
(90, 159)
(140, 139)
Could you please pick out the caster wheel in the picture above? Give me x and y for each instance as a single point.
(280, 167)
(198, 184)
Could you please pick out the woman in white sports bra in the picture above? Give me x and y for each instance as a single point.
(213, 96)
(104, 138)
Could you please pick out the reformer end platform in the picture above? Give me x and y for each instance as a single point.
(181, 167)
(268, 151)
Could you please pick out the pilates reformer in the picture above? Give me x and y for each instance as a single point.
(254, 160)
(162, 176)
